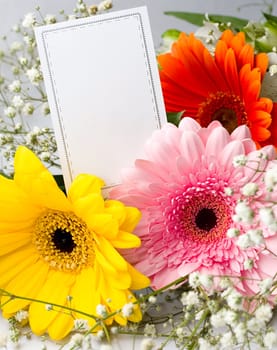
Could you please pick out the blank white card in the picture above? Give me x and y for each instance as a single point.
(103, 89)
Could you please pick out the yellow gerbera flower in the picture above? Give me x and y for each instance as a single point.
(63, 249)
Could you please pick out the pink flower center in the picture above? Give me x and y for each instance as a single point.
(199, 214)
(206, 217)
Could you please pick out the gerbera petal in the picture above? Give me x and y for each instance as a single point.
(17, 212)
(260, 118)
(261, 61)
(260, 133)
(13, 263)
(218, 139)
(231, 69)
(26, 284)
(83, 185)
(214, 72)
(11, 241)
(186, 268)
(88, 205)
(164, 277)
(54, 291)
(116, 209)
(85, 294)
(246, 55)
(125, 240)
(112, 257)
(240, 133)
(37, 181)
(189, 124)
(191, 146)
(61, 326)
(139, 281)
(132, 217)
(234, 148)
(103, 225)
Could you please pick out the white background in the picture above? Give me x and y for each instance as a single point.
(11, 11)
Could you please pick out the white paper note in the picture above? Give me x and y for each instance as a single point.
(103, 89)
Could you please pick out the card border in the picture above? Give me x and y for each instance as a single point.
(44, 31)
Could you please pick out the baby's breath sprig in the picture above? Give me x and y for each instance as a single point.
(198, 315)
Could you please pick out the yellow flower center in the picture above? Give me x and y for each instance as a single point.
(64, 241)
(224, 107)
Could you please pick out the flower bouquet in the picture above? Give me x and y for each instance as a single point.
(181, 254)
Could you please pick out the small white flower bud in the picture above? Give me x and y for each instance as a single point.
(250, 189)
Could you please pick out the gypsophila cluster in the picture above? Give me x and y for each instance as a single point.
(23, 100)
(259, 216)
(196, 315)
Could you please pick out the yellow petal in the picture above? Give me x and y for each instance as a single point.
(133, 216)
(61, 326)
(116, 209)
(88, 205)
(125, 240)
(136, 315)
(117, 278)
(12, 264)
(139, 281)
(26, 284)
(85, 295)
(16, 210)
(103, 225)
(36, 181)
(104, 263)
(12, 241)
(55, 291)
(84, 184)
(111, 255)
(117, 298)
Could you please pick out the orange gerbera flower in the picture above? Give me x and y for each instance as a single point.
(225, 86)
(244, 52)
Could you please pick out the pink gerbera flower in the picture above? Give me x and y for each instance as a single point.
(180, 188)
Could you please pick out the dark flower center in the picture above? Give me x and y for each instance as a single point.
(63, 241)
(225, 107)
(205, 219)
(227, 118)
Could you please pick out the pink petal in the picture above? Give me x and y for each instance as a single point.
(189, 124)
(186, 268)
(217, 140)
(164, 277)
(271, 243)
(226, 156)
(192, 147)
(241, 132)
(249, 145)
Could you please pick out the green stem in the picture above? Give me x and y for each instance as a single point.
(14, 296)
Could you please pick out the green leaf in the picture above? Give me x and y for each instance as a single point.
(270, 18)
(171, 34)
(198, 18)
(60, 182)
(236, 22)
(262, 47)
(191, 17)
(174, 118)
